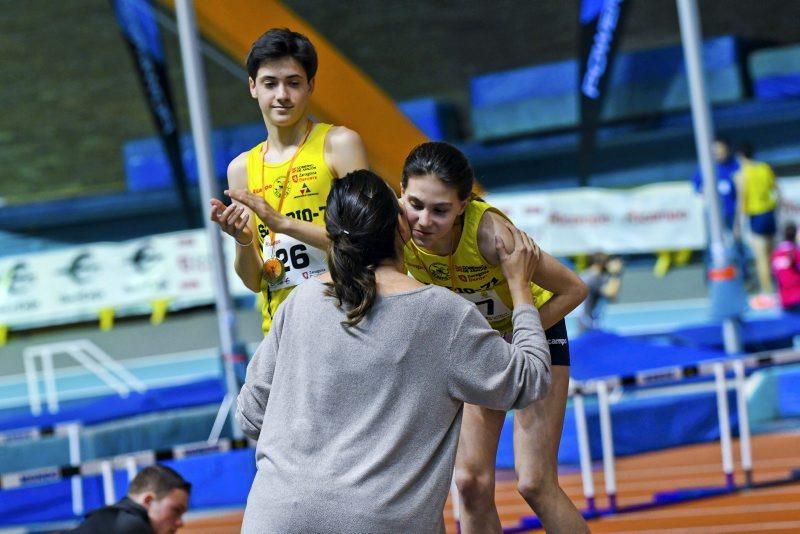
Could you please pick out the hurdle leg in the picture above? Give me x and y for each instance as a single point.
(744, 422)
(724, 424)
(607, 438)
(584, 452)
(107, 472)
(31, 376)
(73, 433)
(130, 468)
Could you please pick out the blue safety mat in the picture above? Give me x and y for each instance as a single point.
(601, 354)
(757, 335)
(105, 408)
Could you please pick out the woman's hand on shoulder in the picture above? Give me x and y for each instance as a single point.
(519, 261)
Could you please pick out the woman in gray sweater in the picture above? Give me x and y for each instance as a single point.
(356, 394)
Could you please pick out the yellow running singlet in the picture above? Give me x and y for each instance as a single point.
(307, 192)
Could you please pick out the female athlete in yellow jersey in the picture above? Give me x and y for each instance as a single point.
(453, 244)
(279, 187)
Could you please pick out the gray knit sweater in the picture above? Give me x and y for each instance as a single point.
(357, 427)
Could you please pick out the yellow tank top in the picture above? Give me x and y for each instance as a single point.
(759, 188)
(473, 278)
(307, 191)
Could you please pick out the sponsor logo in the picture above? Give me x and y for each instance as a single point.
(144, 259)
(17, 279)
(305, 191)
(82, 268)
(557, 341)
(305, 173)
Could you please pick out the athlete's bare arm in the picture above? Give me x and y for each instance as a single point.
(237, 221)
(567, 288)
(344, 152)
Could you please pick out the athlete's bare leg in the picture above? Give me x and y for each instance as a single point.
(475, 467)
(537, 435)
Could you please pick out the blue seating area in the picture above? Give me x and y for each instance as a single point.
(524, 120)
(776, 72)
(545, 97)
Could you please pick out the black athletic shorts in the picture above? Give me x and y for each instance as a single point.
(558, 342)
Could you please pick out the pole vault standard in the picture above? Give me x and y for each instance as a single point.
(198, 112)
(725, 280)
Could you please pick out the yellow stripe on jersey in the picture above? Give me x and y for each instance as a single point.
(474, 278)
(307, 192)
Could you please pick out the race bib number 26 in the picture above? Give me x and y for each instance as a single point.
(300, 261)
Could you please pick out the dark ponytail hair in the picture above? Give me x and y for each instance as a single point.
(361, 220)
(443, 161)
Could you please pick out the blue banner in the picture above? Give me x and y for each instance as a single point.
(138, 25)
(600, 22)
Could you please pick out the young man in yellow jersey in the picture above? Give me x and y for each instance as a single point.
(758, 201)
(280, 186)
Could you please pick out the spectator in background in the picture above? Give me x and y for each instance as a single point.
(603, 277)
(786, 268)
(758, 200)
(157, 499)
(726, 167)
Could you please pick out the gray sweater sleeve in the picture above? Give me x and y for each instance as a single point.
(487, 371)
(252, 400)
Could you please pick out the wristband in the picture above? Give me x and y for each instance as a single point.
(243, 245)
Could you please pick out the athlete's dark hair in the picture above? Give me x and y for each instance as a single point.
(159, 479)
(279, 43)
(361, 220)
(444, 161)
(790, 232)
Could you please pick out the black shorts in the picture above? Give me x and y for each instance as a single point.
(558, 342)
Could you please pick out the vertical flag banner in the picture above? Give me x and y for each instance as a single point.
(599, 35)
(137, 22)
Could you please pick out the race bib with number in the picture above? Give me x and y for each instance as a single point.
(489, 304)
(300, 261)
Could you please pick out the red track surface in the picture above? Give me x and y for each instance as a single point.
(774, 509)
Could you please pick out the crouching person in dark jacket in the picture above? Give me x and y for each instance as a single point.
(157, 499)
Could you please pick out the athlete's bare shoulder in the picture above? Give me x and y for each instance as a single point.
(344, 151)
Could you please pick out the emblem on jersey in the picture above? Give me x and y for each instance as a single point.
(279, 184)
(439, 271)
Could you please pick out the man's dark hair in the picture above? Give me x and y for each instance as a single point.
(279, 43)
(159, 479)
